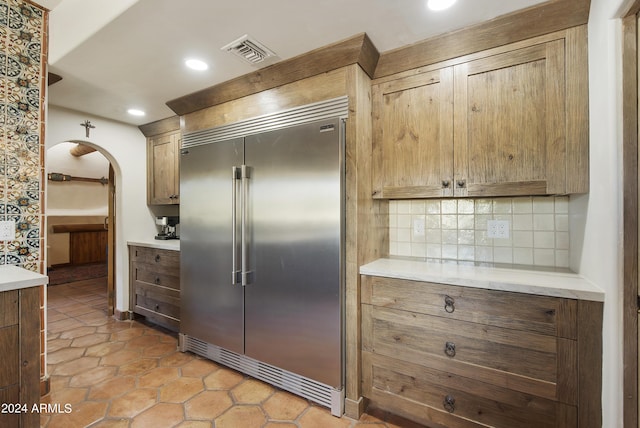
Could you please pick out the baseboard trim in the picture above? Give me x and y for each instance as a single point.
(354, 408)
(45, 386)
(122, 315)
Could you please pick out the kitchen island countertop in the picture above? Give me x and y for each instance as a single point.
(168, 244)
(520, 280)
(15, 278)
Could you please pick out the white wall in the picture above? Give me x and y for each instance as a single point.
(597, 253)
(125, 147)
(76, 197)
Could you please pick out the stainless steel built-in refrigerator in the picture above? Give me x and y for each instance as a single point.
(262, 219)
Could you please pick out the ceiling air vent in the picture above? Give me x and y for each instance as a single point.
(249, 50)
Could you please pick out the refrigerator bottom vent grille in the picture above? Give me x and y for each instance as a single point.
(299, 385)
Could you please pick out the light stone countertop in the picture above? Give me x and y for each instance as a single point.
(15, 278)
(529, 281)
(168, 244)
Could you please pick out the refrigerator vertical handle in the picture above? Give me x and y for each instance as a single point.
(234, 226)
(243, 226)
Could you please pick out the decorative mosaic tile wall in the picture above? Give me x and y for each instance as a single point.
(456, 229)
(22, 92)
(23, 41)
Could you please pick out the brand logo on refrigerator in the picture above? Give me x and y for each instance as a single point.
(327, 128)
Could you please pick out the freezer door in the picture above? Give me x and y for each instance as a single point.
(211, 307)
(293, 299)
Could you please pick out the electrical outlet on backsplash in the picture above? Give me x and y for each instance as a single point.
(457, 229)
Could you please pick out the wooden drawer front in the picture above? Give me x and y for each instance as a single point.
(158, 300)
(166, 260)
(146, 273)
(432, 396)
(10, 367)
(539, 314)
(8, 308)
(10, 395)
(523, 361)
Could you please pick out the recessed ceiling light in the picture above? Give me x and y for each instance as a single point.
(196, 64)
(135, 112)
(440, 4)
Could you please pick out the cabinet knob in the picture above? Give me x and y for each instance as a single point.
(449, 404)
(157, 258)
(157, 308)
(450, 349)
(446, 184)
(461, 184)
(449, 304)
(157, 280)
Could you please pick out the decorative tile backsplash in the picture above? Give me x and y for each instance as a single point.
(456, 229)
(22, 37)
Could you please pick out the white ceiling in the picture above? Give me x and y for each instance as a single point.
(118, 54)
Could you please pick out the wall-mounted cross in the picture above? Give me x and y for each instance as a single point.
(87, 126)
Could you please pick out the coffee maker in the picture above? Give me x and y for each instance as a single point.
(167, 227)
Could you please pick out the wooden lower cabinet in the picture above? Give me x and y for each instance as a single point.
(450, 356)
(20, 367)
(155, 285)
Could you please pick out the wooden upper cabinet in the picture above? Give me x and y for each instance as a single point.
(413, 136)
(509, 123)
(505, 122)
(163, 174)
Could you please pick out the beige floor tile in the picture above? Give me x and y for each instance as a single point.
(159, 350)
(64, 354)
(76, 366)
(223, 379)
(208, 405)
(112, 388)
(242, 416)
(89, 340)
(158, 377)
(284, 406)
(103, 349)
(92, 376)
(66, 395)
(315, 417)
(162, 415)
(120, 358)
(177, 359)
(252, 391)
(199, 368)
(181, 390)
(82, 415)
(133, 403)
(137, 367)
(195, 424)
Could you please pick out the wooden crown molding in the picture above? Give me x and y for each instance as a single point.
(547, 17)
(160, 126)
(355, 50)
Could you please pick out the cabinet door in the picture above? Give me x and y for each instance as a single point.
(413, 136)
(509, 123)
(163, 174)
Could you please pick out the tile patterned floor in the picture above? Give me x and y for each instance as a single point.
(128, 374)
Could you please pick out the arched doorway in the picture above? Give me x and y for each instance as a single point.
(80, 209)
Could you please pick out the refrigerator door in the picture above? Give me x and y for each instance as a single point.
(211, 308)
(292, 302)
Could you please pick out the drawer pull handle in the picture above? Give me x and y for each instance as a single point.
(449, 404)
(449, 304)
(157, 258)
(158, 280)
(450, 349)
